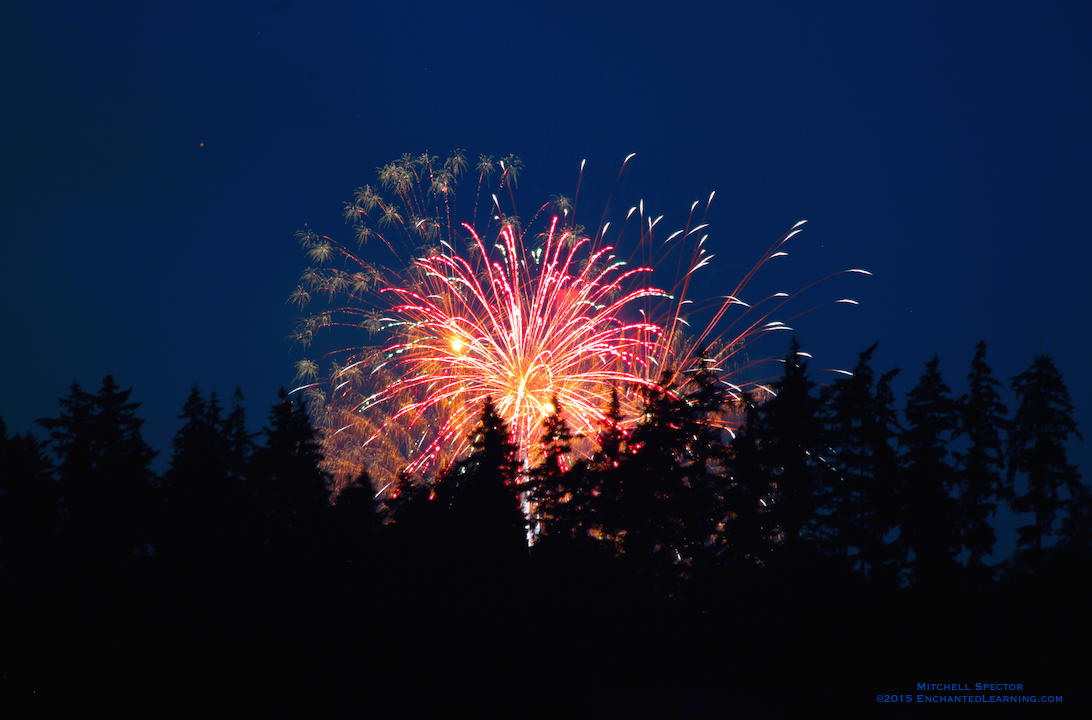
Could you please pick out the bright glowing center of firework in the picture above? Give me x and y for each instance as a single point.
(457, 345)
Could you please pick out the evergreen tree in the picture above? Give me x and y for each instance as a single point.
(238, 447)
(199, 497)
(611, 437)
(857, 501)
(214, 419)
(405, 495)
(73, 436)
(792, 444)
(880, 507)
(983, 423)
(750, 529)
(702, 499)
(606, 471)
(482, 493)
(355, 519)
(416, 519)
(558, 492)
(652, 478)
(105, 475)
(239, 442)
(291, 489)
(928, 534)
(1076, 528)
(1042, 425)
(28, 509)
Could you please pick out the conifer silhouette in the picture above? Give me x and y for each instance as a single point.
(1042, 425)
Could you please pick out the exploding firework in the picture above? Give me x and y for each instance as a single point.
(494, 307)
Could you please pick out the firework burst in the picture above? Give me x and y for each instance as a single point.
(462, 311)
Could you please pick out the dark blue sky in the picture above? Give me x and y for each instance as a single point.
(944, 148)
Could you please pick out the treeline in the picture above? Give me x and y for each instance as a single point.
(827, 510)
(828, 476)
(827, 479)
(98, 511)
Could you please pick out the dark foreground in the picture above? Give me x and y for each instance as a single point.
(412, 639)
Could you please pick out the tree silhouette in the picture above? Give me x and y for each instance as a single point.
(354, 520)
(858, 500)
(702, 498)
(750, 529)
(28, 509)
(416, 520)
(197, 481)
(291, 489)
(983, 423)
(652, 479)
(1076, 527)
(239, 442)
(106, 482)
(792, 444)
(611, 437)
(606, 471)
(881, 503)
(239, 448)
(928, 535)
(481, 493)
(559, 493)
(1041, 426)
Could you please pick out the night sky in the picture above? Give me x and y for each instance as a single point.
(159, 157)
